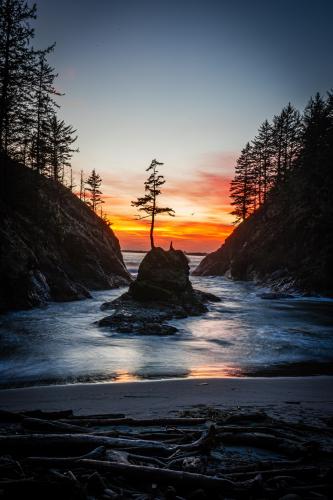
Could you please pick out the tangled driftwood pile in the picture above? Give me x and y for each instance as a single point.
(218, 455)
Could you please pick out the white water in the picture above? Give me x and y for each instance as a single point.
(241, 335)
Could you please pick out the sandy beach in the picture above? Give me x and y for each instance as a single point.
(283, 395)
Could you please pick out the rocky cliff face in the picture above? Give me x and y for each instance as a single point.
(52, 246)
(287, 243)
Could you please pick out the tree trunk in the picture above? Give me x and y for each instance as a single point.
(152, 229)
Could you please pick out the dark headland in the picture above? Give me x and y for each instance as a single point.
(52, 246)
(287, 243)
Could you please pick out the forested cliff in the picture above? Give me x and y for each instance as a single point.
(288, 240)
(52, 245)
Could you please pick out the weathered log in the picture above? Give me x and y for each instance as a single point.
(147, 422)
(125, 457)
(65, 443)
(52, 415)
(204, 443)
(167, 476)
(155, 436)
(38, 424)
(163, 476)
(98, 416)
(144, 459)
(96, 454)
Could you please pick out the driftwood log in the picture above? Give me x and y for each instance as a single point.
(56, 455)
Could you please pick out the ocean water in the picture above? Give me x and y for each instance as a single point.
(240, 336)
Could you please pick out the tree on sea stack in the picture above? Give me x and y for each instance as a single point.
(148, 203)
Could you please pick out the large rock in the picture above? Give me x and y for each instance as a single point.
(161, 292)
(164, 276)
(52, 246)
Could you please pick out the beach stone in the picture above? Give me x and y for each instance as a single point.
(162, 291)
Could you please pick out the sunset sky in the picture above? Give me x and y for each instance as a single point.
(185, 82)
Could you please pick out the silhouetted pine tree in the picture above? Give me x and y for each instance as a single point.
(148, 203)
(82, 192)
(94, 182)
(286, 141)
(242, 189)
(16, 68)
(262, 154)
(44, 107)
(291, 142)
(29, 129)
(60, 139)
(316, 158)
(317, 121)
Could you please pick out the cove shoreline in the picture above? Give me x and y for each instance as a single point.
(282, 395)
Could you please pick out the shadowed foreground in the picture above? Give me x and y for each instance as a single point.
(239, 438)
(202, 453)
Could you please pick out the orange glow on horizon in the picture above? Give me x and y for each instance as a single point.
(186, 235)
(201, 203)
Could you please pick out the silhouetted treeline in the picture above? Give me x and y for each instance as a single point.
(30, 130)
(291, 141)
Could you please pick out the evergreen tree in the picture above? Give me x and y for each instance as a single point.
(82, 193)
(291, 142)
(286, 135)
(44, 107)
(94, 182)
(16, 67)
(71, 186)
(60, 139)
(262, 155)
(242, 189)
(148, 203)
(316, 157)
(316, 125)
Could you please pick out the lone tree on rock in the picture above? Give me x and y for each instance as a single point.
(147, 203)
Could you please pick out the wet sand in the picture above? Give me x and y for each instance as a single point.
(284, 395)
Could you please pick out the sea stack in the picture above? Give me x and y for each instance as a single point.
(162, 291)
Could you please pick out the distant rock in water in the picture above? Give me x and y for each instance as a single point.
(161, 292)
(52, 246)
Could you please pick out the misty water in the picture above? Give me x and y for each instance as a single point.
(242, 335)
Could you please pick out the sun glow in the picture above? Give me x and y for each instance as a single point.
(190, 236)
(202, 221)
